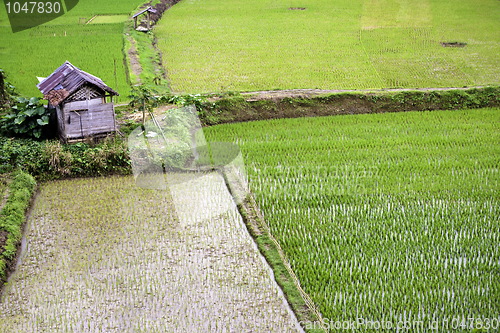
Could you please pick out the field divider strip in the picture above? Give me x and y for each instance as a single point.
(307, 299)
(245, 209)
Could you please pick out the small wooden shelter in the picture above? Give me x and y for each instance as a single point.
(148, 12)
(83, 103)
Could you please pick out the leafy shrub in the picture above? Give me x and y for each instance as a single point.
(143, 99)
(165, 142)
(21, 153)
(7, 92)
(198, 100)
(52, 160)
(27, 118)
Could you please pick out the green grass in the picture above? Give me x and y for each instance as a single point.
(4, 181)
(95, 48)
(236, 45)
(385, 215)
(151, 72)
(12, 216)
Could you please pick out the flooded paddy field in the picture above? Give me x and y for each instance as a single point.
(104, 255)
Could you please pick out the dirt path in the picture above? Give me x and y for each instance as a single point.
(133, 58)
(307, 93)
(103, 255)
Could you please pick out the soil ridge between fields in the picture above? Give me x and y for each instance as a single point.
(296, 103)
(308, 93)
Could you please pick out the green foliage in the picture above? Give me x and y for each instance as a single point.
(380, 214)
(143, 99)
(12, 216)
(165, 141)
(198, 100)
(82, 159)
(51, 159)
(27, 118)
(177, 133)
(21, 153)
(7, 92)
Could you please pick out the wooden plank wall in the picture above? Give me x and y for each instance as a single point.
(82, 105)
(98, 119)
(60, 122)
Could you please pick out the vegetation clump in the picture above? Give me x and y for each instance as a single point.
(12, 217)
(7, 92)
(26, 118)
(53, 160)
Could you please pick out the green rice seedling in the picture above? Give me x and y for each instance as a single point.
(267, 45)
(384, 217)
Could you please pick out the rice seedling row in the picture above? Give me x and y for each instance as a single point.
(386, 217)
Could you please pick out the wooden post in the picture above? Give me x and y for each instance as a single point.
(149, 18)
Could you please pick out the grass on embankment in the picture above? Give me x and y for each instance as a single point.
(301, 304)
(12, 217)
(242, 108)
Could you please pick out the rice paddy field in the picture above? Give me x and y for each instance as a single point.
(384, 218)
(251, 45)
(105, 255)
(96, 47)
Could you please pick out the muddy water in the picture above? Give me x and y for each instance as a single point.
(103, 255)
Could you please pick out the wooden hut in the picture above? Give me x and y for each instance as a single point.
(147, 11)
(83, 103)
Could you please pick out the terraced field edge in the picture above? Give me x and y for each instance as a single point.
(241, 108)
(12, 218)
(301, 304)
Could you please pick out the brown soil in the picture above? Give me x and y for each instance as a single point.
(3, 238)
(308, 93)
(135, 66)
(453, 44)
